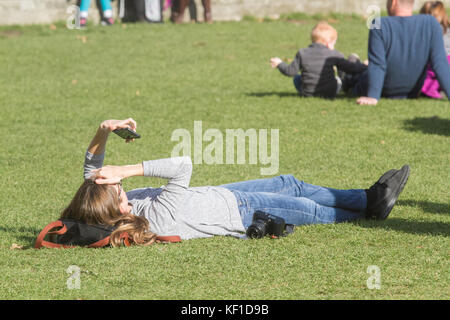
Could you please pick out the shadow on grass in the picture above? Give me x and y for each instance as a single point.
(431, 125)
(272, 93)
(427, 206)
(295, 94)
(26, 236)
(408, 226)
(434, 228)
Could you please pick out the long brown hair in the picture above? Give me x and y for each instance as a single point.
(437, 10)
(99, 204)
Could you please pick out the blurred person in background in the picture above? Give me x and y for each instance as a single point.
(105, 8)
(179, 6)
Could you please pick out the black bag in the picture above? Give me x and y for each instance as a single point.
(141, 10)
(68, 233)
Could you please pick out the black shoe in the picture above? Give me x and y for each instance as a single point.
(83, 22)
(377, 191)
(382, 196)
(107, 21)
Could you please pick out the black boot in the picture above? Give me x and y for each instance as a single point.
(382, 196)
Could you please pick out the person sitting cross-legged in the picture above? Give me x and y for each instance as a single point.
(400, 50)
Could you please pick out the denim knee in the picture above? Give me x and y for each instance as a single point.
(292, 182)
(287, 177)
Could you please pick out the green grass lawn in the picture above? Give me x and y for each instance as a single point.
(57, 85)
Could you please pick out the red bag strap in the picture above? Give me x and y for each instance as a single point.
(168, 238)
(104, 242)
(125, 236)
(100, 243)
(47, 230)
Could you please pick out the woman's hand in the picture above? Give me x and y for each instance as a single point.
(98, 143)
(111, 125)
(115, 174)
(108, 175)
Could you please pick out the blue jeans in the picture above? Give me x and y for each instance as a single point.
(298, 84)
(297, 202)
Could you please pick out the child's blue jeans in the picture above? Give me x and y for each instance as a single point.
(297, 202)
(298, 83)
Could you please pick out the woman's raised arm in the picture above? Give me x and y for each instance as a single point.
(98, 143)
(95, 153)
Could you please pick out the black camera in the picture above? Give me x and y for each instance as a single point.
(265, 224)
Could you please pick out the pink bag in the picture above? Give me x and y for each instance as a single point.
(431, 87)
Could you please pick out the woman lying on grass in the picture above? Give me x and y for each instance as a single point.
(198, 212)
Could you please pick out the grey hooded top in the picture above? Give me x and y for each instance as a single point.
(176, 208)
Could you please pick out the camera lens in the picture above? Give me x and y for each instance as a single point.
(257, 230)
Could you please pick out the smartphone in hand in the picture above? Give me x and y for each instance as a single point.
(126, 133)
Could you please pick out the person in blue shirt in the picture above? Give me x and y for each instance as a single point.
(399, 52)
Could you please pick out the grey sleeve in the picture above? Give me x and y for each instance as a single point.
(162, 211)
(91, 162)
(177, 170)
(293, 68)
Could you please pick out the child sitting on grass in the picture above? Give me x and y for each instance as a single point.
(431, 87)
(317, 63)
